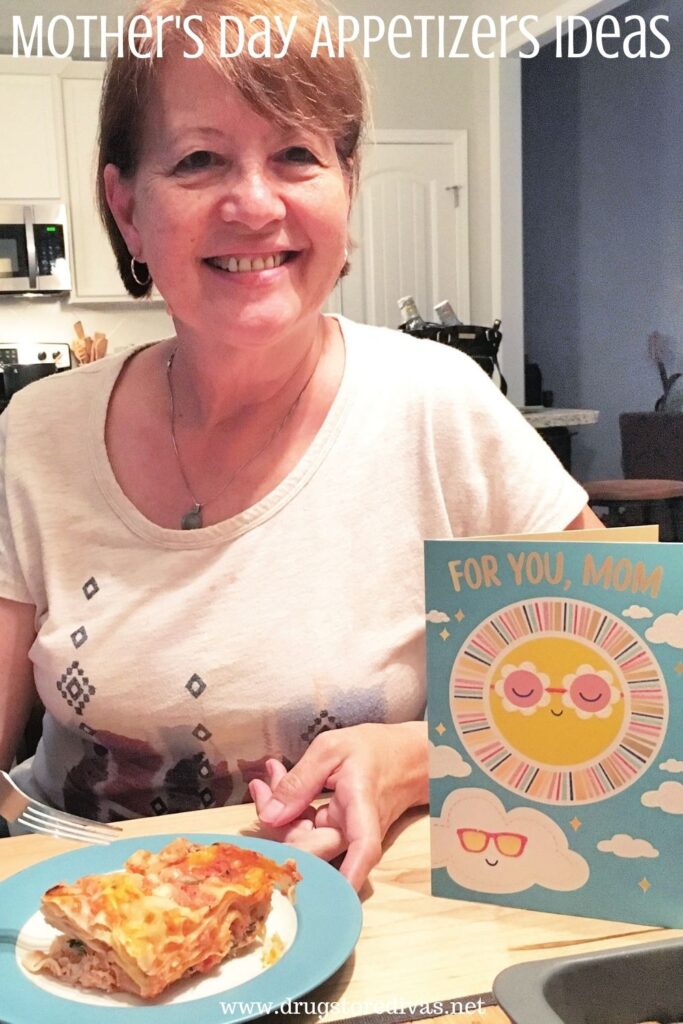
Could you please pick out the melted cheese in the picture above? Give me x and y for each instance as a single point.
(172, 913)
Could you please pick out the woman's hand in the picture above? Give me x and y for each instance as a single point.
(375, 772)
(302, 831)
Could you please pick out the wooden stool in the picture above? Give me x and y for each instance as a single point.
(638, 502)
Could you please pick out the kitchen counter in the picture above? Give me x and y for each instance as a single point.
(542, 418)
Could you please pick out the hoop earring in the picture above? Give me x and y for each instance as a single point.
(138, 280)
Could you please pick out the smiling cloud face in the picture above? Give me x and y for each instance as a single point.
(488, 849)
(444, 761)
(667, 629)
(622, 845)
(668, 798)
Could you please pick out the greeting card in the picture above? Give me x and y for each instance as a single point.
(555, 707)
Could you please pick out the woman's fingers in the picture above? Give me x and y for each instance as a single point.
(297, 788)
(322, 817)
(260, 793)
(375, 773)
(327, 843)
(364, 840)
(276, 771)
(292, 834)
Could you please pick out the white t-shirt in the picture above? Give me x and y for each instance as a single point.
(171, 664)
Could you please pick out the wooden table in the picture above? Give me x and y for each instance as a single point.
(414, 948)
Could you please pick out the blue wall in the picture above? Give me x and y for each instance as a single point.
(603, 229)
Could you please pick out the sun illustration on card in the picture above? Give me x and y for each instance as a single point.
(558, 700)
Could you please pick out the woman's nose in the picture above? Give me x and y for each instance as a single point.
(253, 199)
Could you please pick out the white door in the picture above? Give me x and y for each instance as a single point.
(409, 226)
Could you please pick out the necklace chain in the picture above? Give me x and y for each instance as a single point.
(193, 518)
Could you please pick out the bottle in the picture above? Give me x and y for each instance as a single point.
(446, 314)
(533, 383)
(411, 319)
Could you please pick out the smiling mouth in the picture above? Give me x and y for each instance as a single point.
(491, 863)
(248, 264)
(557, 714)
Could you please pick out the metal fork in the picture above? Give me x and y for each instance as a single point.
(15, 805)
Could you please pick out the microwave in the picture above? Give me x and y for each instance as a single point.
(33, 249)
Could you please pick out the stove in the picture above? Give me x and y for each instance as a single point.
(23, 362)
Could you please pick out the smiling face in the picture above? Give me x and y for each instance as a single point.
(557, 701)
(242, 223)
(486, 848)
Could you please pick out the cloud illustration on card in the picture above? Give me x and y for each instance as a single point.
(488, 849)
(445, 761)
(636, 611)
(622, 845)
(668, 797)
(671, 765)
(667, 629)
(436, 616)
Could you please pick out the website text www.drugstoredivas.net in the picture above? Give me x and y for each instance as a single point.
(354, 1009)
(403, 36)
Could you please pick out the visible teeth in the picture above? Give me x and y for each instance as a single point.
(247, 263)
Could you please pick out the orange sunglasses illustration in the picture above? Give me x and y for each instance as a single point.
(475, 840)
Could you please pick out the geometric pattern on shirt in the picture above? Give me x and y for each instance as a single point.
(82, 781)
(90, 588)
(75, 687)
(201, 733)
(79, 636)
(185, 786)
(159, 805)
(195, 685)
(323, 722)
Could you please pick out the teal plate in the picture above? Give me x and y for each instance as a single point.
(327, 923)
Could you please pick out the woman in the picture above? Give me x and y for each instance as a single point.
(218, 574)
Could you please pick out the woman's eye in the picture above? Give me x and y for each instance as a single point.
(197, 161)
(300, 155)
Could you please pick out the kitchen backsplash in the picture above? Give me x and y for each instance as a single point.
(49, 320)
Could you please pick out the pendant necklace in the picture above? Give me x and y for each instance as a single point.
(193, 518)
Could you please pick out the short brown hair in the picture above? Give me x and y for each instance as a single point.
(325, 93)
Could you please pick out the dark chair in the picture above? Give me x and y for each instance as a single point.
(652, 462)
(638, 502)
(651, 445)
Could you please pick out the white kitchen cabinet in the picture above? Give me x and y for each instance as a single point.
(32, 149)
(48, 153)
(95, 276)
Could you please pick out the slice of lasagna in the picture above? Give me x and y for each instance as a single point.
(166, 916)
